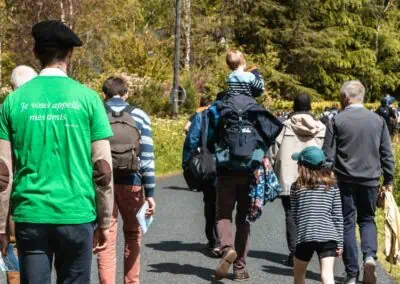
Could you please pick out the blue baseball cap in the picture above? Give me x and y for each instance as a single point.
(312, 157)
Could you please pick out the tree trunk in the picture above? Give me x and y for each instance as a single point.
(187, 30)
(380, 20)
(71, 14)
(1, 81)
(62, 11)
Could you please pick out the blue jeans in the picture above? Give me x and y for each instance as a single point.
(361, 201)
(71, 246)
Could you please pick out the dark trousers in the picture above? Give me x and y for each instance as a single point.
(290, 225)
(233, 190)
(71, 246)
(358, 201)
(209, 199)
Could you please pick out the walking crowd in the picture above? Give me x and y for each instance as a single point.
(70, 163)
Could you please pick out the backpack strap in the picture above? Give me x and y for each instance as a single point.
(108, 108)
(334, 134)
(203, 130)
(129, 109)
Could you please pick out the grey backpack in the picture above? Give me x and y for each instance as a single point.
(125, 144)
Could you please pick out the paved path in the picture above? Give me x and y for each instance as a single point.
(173, 249)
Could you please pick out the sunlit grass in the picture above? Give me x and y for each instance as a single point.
(168, 143)
(394, 270)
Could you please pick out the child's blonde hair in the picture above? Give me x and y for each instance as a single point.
(235, 59)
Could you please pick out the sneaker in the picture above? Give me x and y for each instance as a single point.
(241, 276)
(349, 279)
(214, 250)
(228, 258)
(369, 271)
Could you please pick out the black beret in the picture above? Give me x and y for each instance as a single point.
(54, 34)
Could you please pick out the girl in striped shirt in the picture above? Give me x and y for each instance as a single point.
(317, 212)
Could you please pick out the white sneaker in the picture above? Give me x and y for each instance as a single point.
(350, 280)
(369, 271)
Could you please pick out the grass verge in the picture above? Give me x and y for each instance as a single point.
(168, 138)
(394, 270)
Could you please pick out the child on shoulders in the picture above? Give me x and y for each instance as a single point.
(240, 81)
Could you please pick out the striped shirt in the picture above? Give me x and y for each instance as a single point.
(245, 83)
(146, 176)
(317, 214)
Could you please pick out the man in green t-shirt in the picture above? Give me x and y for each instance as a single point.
(53, 134)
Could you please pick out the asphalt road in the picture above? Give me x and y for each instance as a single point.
(173, 249)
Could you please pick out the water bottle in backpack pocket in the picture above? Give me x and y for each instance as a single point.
(125, 144)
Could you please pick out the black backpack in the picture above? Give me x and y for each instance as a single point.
(384, 111)
(325, 119)
(237, 130)
(125, 144)
(201, 167)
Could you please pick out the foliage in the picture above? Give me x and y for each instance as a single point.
(311, 46)
(168, 155)
(323, 43)
(317, 107)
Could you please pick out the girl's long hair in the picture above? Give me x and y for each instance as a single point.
(314, 178)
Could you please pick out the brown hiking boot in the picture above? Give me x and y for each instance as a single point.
(228, 258)
(241, 276)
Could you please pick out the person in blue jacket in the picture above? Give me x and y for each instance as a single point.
(191, 146)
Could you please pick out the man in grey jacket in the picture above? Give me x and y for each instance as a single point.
(358, 144)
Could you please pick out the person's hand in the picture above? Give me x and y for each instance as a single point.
(387, 188)
(152, 207)
(257, 175)
(136, 188)
(4, 241)
(100, 240)
(339, 252)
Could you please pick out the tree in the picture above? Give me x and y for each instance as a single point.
(322, 43)
(187, 32)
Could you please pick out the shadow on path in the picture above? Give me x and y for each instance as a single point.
(177, 188)
(289, 273)
(186, 269)
(268, 255)
(177, 246)
(174, 246)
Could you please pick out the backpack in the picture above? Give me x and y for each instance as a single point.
(325, 119)
(201, 167)
(238, 139)
(125, 144)
(384, 112)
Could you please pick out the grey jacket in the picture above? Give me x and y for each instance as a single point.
(358, 144)
(300, 131)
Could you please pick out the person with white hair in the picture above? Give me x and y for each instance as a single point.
(21, 75)
(358, 145)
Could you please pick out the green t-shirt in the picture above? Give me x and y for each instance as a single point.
(51, 122)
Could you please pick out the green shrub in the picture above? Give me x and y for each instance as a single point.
(153, 99)
(168, 144)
